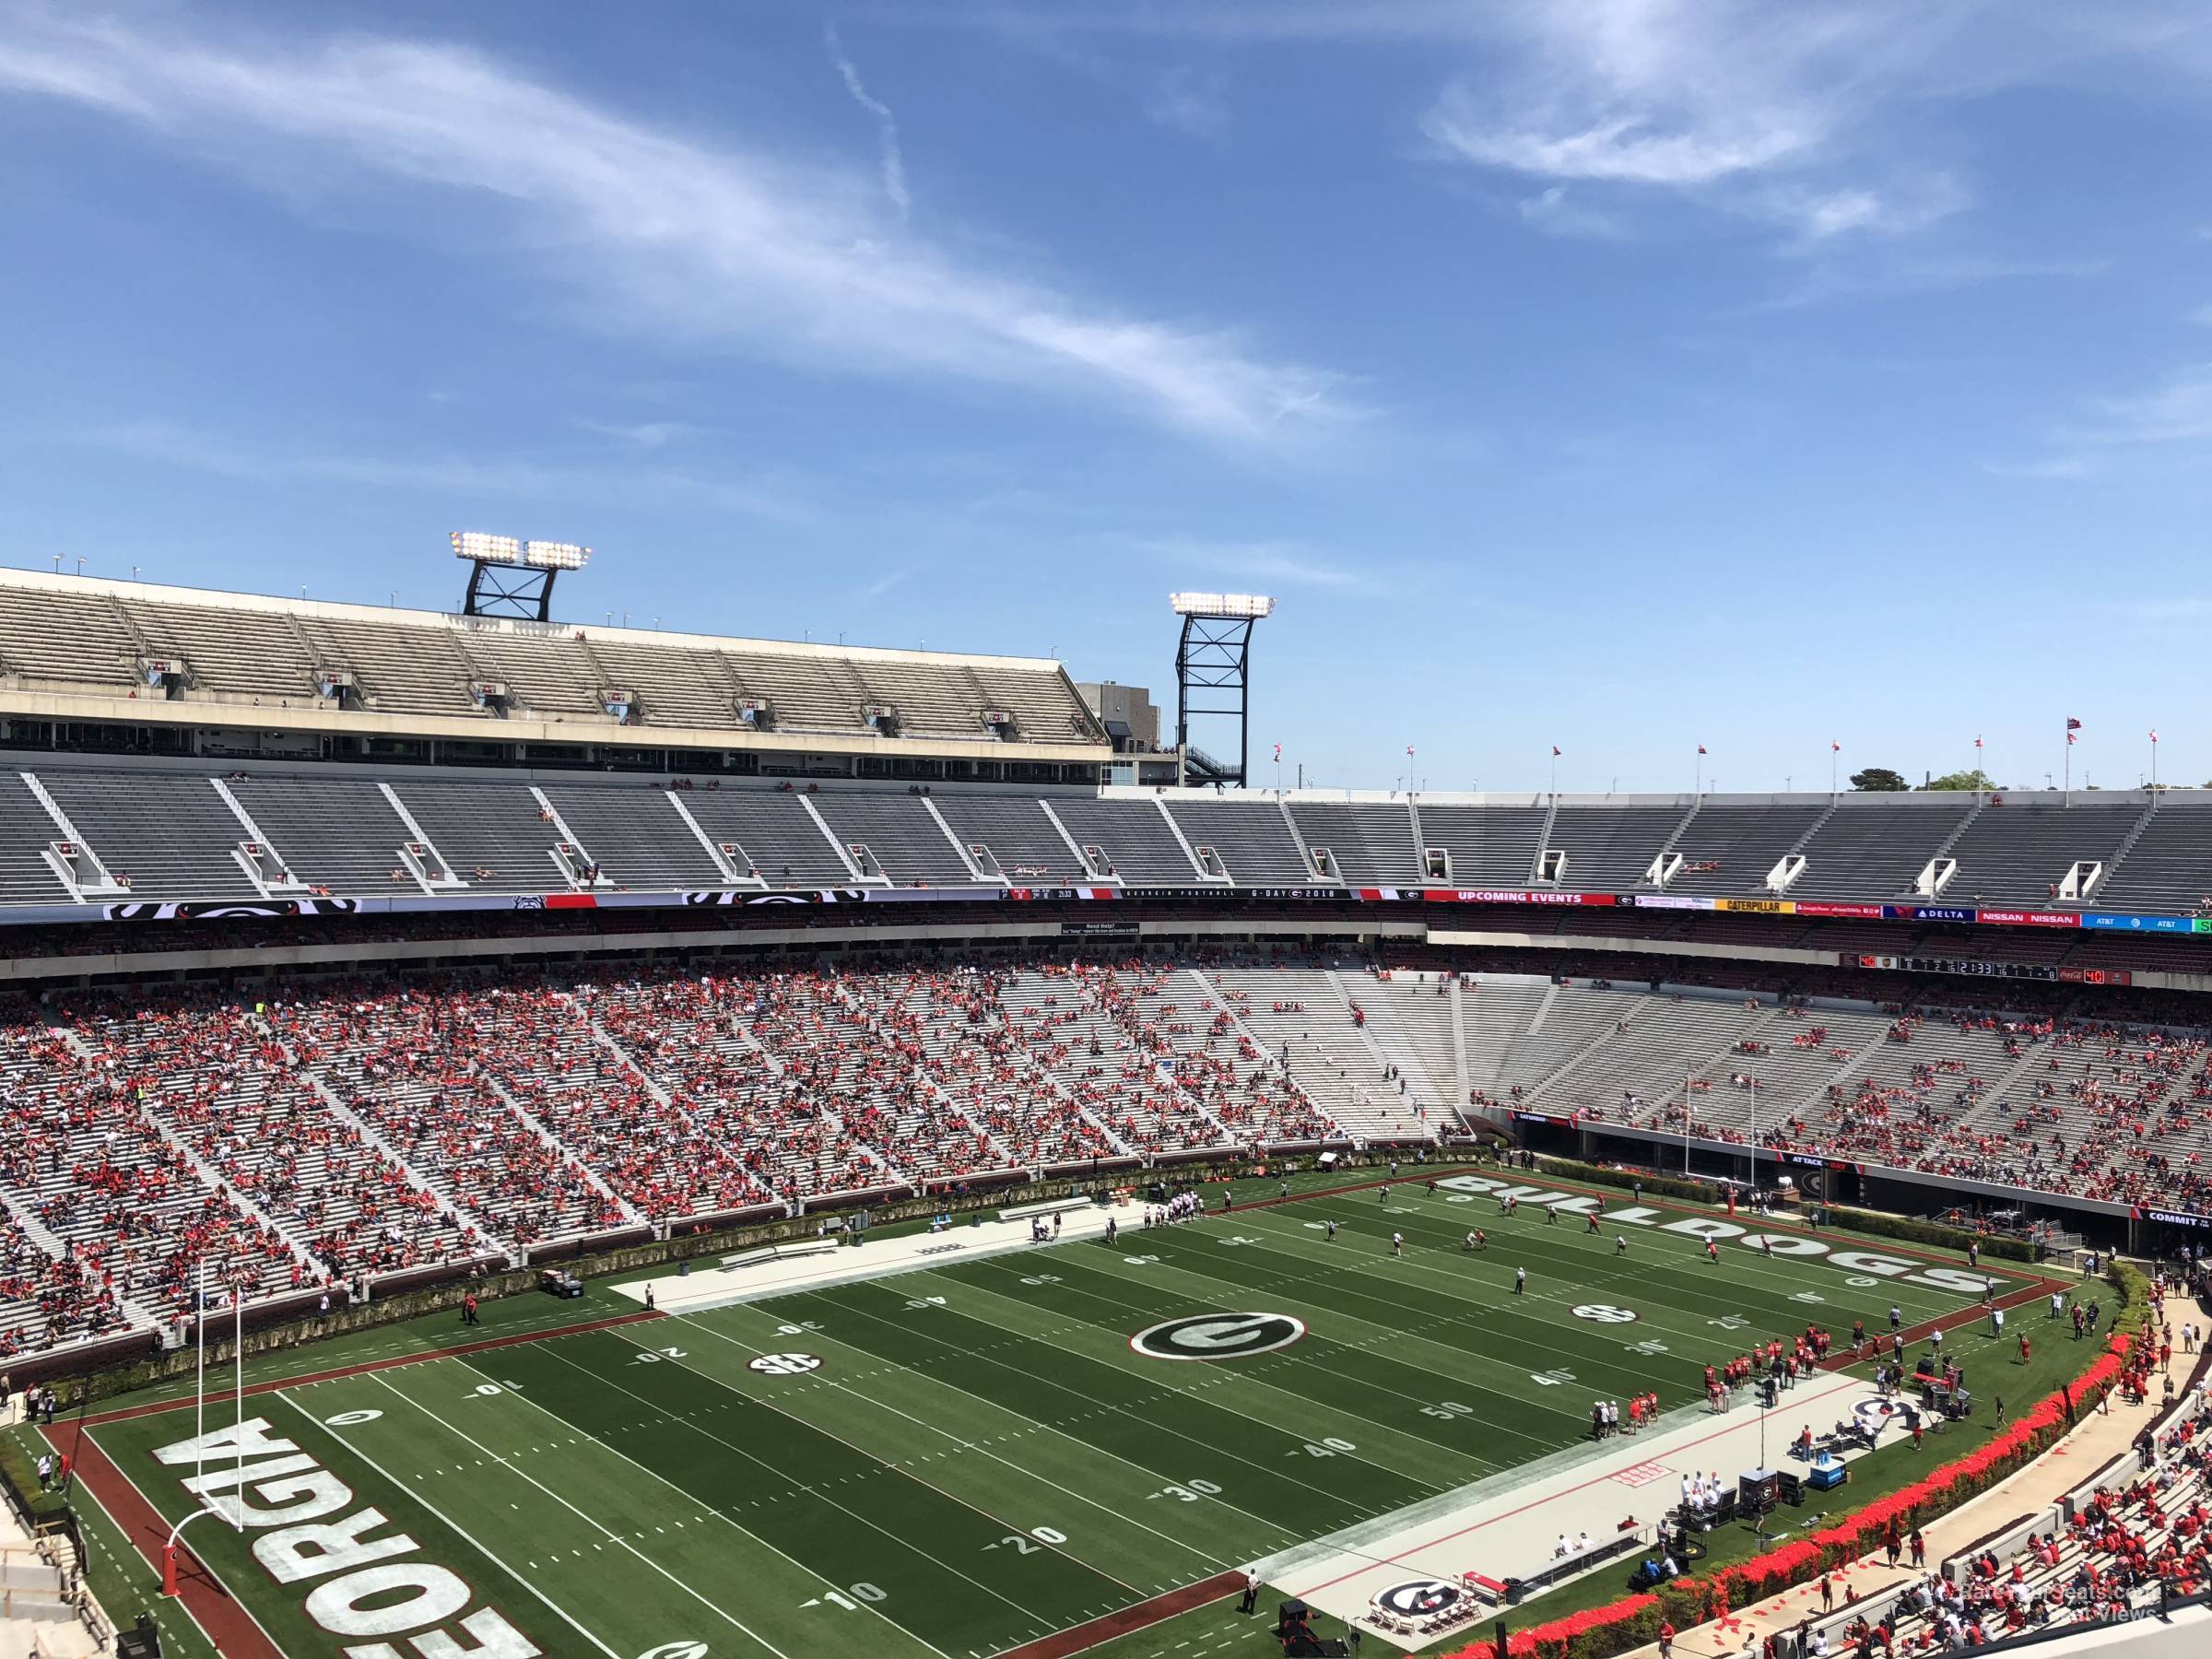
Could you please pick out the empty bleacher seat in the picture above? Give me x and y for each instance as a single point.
(169, 833)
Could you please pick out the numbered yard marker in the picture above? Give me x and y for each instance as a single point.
(838, 1598)
(1038, 1535)
(348, 1420)
(1188, 1491)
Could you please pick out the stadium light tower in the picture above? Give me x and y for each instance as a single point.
(509, 577)
(1214, 660)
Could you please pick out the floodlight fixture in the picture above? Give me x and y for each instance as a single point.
(554, 556)
(511, 577)
(478, 547)
(1230, 605)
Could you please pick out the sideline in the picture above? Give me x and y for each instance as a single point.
(234, 1631)
(1138, 1615)
(363, 1367)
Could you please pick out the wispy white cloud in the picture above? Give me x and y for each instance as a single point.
(644, 434)
(1188, 100)
(884, 583)
(1559, 212)
(2179, 609)
(886, 125)
(1747, 108)
(1285, 563)
(2175, 412)
(191, 449)
(719, 243)
(1835, 275)
(2178, 411)
(2060, 468)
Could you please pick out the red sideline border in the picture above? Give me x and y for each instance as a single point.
(1123, 1622)
(238, 1636)
(235, 1631)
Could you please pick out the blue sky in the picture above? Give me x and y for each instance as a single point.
(1621, 374)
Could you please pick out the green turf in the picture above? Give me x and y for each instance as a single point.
(980, 1457)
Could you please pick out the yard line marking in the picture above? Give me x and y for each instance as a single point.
(865, 1520)
(564, 1503)
(363, 1367)
(1104, 1406)
(1037, 1425)
(1746, 1262)
(772, 1550)
(1244, 1292)
(949, 1434)
(481, 1549)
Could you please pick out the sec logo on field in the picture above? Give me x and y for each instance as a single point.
(1606, 1314)
(784, 1365)
(1419, 1598)
(1218, 1335)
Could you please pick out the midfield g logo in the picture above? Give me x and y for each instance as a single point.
(1218, 1335)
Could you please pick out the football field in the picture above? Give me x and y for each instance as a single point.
(962, 1460)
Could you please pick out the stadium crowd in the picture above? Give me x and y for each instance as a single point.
(360, 1127)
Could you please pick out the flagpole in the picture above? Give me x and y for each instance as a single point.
(1688, 1077)
(1698, 789)
(1555, 772)
(238, 1361)
(2154, 760)
(2069, 771)
(199, 1411)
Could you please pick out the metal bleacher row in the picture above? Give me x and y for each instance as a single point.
(180, 834)
(89, 637)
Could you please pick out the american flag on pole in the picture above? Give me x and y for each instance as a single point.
(1977, 744)
(1278, 751)
(2154, 733)
(1700, 749)
(1555, 751)
(1833, 745)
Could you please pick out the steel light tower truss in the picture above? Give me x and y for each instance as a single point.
(1212, 667)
